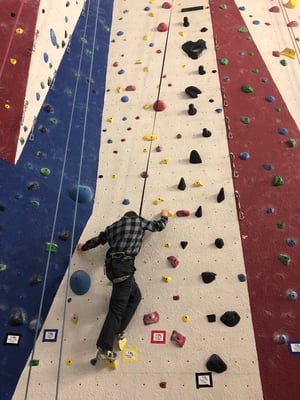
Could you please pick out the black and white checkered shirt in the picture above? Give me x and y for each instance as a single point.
(126, 234)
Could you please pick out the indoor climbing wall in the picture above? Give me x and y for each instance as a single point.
(164, 145)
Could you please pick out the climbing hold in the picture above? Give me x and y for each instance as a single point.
(283, 63)
(242, 277)
(216, 364)
(186, 22)
(183, 244)
(159, 105)
(194, 49)
(13, 61)
(221, 195)
(245, 120)
(166, 5)
(81, 193)
(124, 99)
(151, 318)
(64, 235)
(163, 385)
(247, 88)
(173, 261)
(178, 338)
(274, 9)
(270, 210)
(144, 174)
(223, 61)
(287, 52)
(219, 243)
(198, 184)
(192, 110)
(130, 88)
(185, 318)
(281, 339)
(168, 245)
(37, 278)
(165, 160)
(35, 363)
(176, 297)
(230, 318)
(277, 181)
(167, 278)
(162, 27)
(53, 37)
(270, 99)
(280, 225)
(195, 157)
(211, 317)
(182, 213)
(45, 171)
(292, 295)
(3, 267)
(291, 4)
(74, 319)
(284, 258)
(51, 247)
(69, 362)
(80, 282)
(268, 167)
(283, 131)
(206, 133)
(181, 184)
(293, 24)
(201, 70)
(18, 317)
(208, 277)
(223, 6)
(291, 242)
(150, 137)
(244, 155)
(19, 31)
(198, 212)
(291, 143)
(243, 29)
(125, 202)
(192, 91)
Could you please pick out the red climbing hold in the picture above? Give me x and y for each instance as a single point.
(292, 24)
(159, 105)
(130, 88)
(274, 9)
(163, 385)
(167, 5)
(173, 261)
(151, 318)
(162, 27)
(182, 213)
(178, 338)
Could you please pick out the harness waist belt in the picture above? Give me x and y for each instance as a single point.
(121, 278)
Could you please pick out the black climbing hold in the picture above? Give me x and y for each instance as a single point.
(221, 195)
(2, 207)
(230, 318)
(17, 318)
(183, 244)
(181, 185)
(37, 278)
(208, 277)
(194, 49)
(211, 317)
(33, 185)
(48, 108)
(192, 91)
(186, 22)
(42, 129)
(192, 110)
(64, 236)
(198, 213)
(195, 157)
(203, 29)
(219, 243)
(216, 364)
(206, 132)
(201, 70)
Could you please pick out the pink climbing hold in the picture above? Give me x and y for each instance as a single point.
(162, 27)
(166, 5)
(173, 261)
(274, 9)
(130, 88)
(159, 105)
(292, 24)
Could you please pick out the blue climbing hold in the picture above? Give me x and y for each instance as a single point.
(244, 155)
(121, 71)
(242, 8)
(270, 210)
(124, 119)
(151, 44)
(37, 96)
(226, 79)
(268, 167)
(53, 37)
(120, 33)
(291, 242)
(83, 194)
(147, 8)
(124, 99)
(80, 282)
(283, 131)
(292, 295)
(46, 57)
(109, 141)
(126, 202)
(270, 99)
(242, 277)
(219, 110)
(264, 80)
(255, 22)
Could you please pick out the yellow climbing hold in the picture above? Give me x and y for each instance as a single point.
(152, 1)
(183, 66)
(150, 137)
(7, 106)
(161, 198)
(170, 213)
(13, 61)
(289, 53)
(74, 319)
(198, 183)
(119, 89)
(19, 31)
(146, 69)
(291, 4)
(157, 201)
(146, 37)
(185, 318)
(146, 107)
(69, 362)
(165, 160)
(145, 150)
(181, 33)
(167, 278)
(168, 245)
(114, 176)
(110, 119)
(151, 14)
(139, 61)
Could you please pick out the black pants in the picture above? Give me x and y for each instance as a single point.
(124, 301)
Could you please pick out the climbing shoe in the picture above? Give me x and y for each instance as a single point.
(122, 340)
(106, 355)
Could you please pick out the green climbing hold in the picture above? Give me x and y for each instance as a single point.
(251, 54)
(280, 225)
(84, 40)
(255, 70)
(54, 121)
(277, 181)
(42, 85)
(88, 52)
(51, 247)
(45, 171)
(243, 29)
(245, 120)
(22, 140)
(224, 61)
(285, 259)
(223, 6)
(291, 143)
(35, 363)
(283, 62)
(3, 267)
(68, 92)
(35, 203)
(278, 109)
(247, 89)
